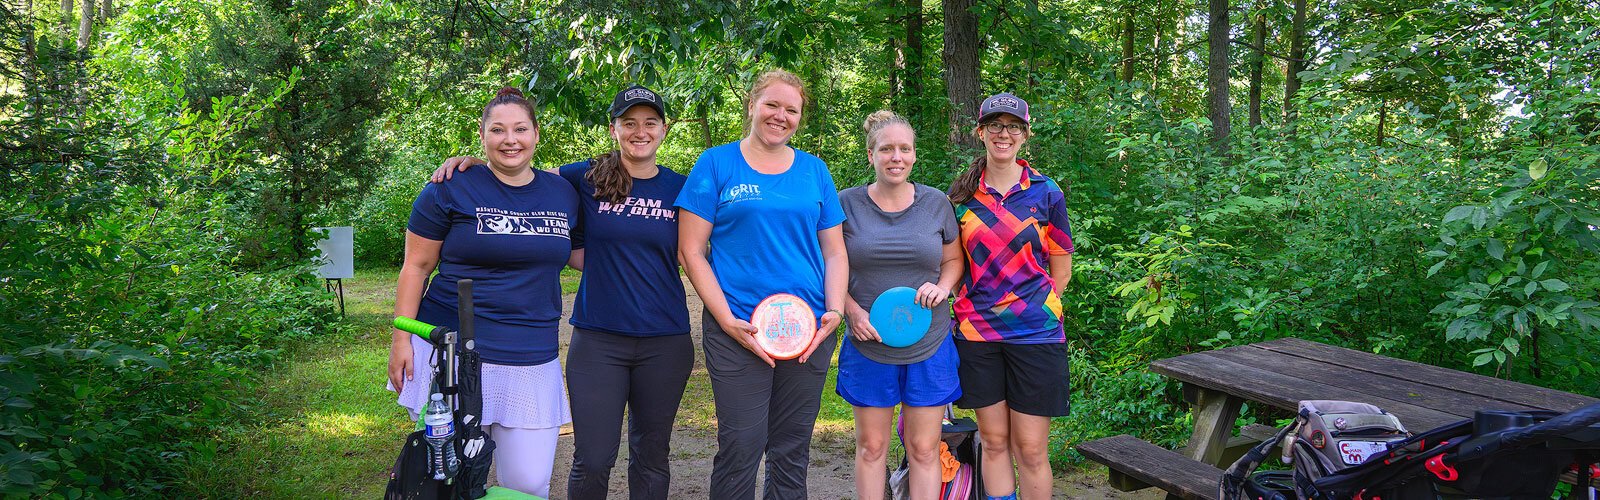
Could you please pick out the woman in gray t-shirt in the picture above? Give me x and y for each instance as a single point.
(898, 234)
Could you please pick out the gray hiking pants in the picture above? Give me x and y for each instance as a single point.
(762, 410)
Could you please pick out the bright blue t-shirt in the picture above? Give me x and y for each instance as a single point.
(512, 241)
(630, 282)
(763, 226)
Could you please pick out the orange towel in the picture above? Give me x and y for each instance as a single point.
(948, 464)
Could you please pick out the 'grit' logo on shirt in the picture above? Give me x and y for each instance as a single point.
(743, 192)
(639, 207)
(497, 221)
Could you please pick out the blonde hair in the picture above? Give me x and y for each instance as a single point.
(882, 119)
(767, 80)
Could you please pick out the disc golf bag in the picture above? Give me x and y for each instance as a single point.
(1330, 436)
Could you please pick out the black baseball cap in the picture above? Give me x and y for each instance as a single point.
(1004, 102)
(635, 95)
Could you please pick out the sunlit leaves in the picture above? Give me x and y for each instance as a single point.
(1537, 169)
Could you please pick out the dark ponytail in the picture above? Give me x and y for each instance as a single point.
(966, 184)
(611, 181)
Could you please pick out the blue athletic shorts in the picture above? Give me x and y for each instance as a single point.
(930, 382)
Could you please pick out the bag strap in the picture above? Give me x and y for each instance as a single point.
(1581, 488)
(1233, 479)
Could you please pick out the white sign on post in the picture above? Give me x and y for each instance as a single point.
(337, 252)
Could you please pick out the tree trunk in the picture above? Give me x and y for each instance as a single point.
(895, 55)
(1383, 119)
(961, 70)
(1168, 37)
(29, 59)
(1127, 42)
(1258, 36)
(107, 11)
(1217, 75)
(1297, 55)
(914, 52)
(1538, 361)
(705, 124)
(1157, 47)
(897, 61)
(1175, 56)
(66, 15)
(86, 25)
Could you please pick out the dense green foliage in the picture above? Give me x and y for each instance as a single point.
(1429, 192)
(131, 330)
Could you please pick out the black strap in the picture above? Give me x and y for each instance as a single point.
(436, 375)
(1580, 488)
(464, 311)
(1306, 487)
(1232, 484)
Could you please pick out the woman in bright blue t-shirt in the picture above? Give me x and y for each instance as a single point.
(771, 217)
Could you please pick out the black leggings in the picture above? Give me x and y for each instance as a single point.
(606, 372)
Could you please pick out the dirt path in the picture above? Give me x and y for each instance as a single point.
(830, 476)
(694, 438)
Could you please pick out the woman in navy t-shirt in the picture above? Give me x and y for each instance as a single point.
(506, 227)
(630, 343)
(630, 338)
(770, 215)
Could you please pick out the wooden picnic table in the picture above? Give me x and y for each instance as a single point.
(1281, 373)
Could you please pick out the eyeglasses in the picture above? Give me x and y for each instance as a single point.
(1010, 128)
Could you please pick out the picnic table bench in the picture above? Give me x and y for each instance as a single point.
(1281, 373)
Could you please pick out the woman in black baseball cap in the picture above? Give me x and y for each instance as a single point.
(630, 340)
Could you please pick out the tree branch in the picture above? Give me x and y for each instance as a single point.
(1179, 50)
(1265, 51)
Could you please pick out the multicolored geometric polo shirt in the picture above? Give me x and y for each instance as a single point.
(1008, 295)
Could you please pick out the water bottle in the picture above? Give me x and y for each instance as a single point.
(439, 427)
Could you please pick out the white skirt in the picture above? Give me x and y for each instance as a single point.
(523, 397)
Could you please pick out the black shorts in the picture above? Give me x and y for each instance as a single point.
(1029, 378)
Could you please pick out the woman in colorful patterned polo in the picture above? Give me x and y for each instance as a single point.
(1007, 316)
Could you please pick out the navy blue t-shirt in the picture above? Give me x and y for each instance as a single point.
(512, 241)
(630, 282)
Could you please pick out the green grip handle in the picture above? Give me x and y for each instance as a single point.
(415, 327)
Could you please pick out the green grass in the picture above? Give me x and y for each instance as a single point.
(569, 280)
(326, 428)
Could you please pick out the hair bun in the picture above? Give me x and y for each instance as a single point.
(505, 91)
(879, 116)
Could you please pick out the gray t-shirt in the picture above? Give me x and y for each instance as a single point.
(890, 249)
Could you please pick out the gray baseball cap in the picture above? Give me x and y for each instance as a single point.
(1004, 102)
